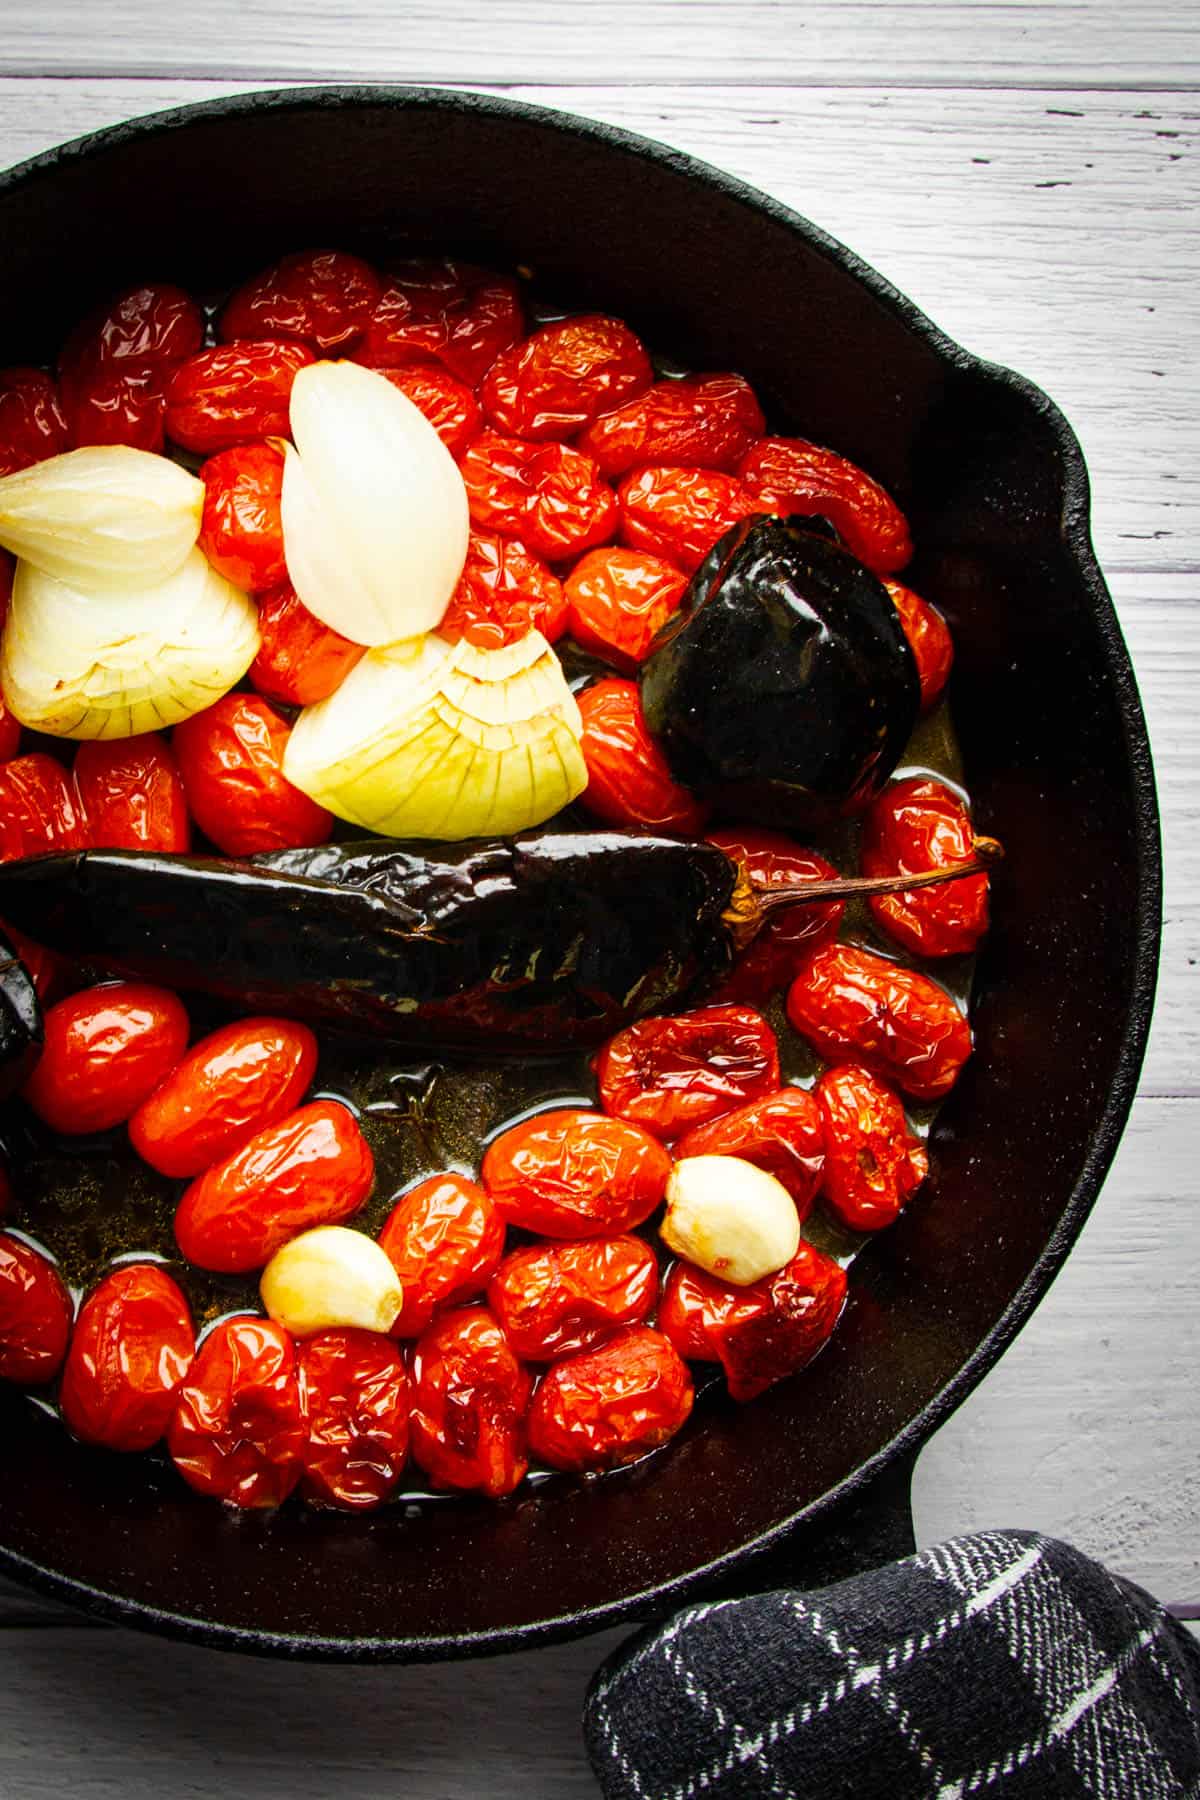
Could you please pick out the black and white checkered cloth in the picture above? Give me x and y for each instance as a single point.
(1004, 1663)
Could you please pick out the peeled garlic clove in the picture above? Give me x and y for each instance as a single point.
(374, 508)
(730, 1218)
(331, 1277)
(102, 517)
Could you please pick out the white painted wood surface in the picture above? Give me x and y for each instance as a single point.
(1027, 172)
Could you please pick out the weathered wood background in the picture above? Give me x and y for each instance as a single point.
(1028, 173)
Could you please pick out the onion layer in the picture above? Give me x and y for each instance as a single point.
(104, 517)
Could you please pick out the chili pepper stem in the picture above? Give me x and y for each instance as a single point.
(985, 852)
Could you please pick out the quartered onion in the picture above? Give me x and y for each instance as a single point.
(104, 517)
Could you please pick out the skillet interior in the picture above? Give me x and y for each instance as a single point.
(1057, 761)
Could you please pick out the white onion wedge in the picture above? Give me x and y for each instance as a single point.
(374, 508)
(104, 517)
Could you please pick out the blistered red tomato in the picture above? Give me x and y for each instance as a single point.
(233, 394)
(913, 826)
(323, 297)
(299, 659)
(447, 312)
(114, 368)
(132, 1346)
(32, 423)
(238, 1430)
(312, 1168)
(231, 760)
(854, 1006)
(503, 592)
(445, 1238)
(929, 640)
(39, 808)
(873, 1161)
(761, 1333)
(617, 601)
(670, 1075)
(700, 422)
(610, 1406)
(35, 1314)
(629, 782)
(241, 531)
(575, 1174)
(782, 1134)
(790, 475)
(773, 861)
(131, 794)
(469, 1401)
(563, 376)
(233, 1084)
(548, 495)
(556, 1299)
(679, 514)
(106, 1048)
(447, 402)
(354, 1396)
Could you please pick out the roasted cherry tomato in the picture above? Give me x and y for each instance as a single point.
(572, 1174)
(629, 782)
(782, 1134)
(447, 403)
(39, 808)
(10, 734)
(233, 394)
(241, 532)
(872, 1160)
(555, 1299)
(238, 1430)
(929, 640)
(106, 1048)
(32, 422)
(35, 1314)
(323, 297)
(131, 794)
(115, 366)
(231, 760)
(912, 826)
(671, 1075)
(230, 1086)
(355, 1398)
(618, 599)
(445, 1238)
(758, 1333)
(701, 422)
(312, 1168)
(470, 1396)
(854, 1006)
(611, 1406)
(548, 495)
(563, 376)
(503, 592)
(111, 404)
(132, 1346)
(447, 312)
(48, 971)
(790, 475)
(299, 660)
(774, 861)
(680, 513)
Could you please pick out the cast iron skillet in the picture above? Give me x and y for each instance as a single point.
(1055, 746)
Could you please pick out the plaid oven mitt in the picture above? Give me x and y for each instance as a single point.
(1000, 1664)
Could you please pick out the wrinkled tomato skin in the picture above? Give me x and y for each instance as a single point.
(854, 1006)
(132, 1346)
(241, 532)
(699, 422)
(618, 600)
(873, 1161)
(557, 1299)
(790, 475)
(323, 297)
(446, 312)
(237, 1432)
(355, 1399)
(115, 366)
(230, 1086)
(35, 1315)
(563, 376)
(233, 394)
(300, 660)
(446, 402)
(610, 1406)
(131, 794)
(696, 1307)
(312, 1168)
(231, 760)
(470, 1398)
(109, 404)
(782, 1134)
(770, 961)
(444, 1238)
(629, 782)
(106, 1048)
(547, 495)
(761, 1333)
(39, 808)
(503, 592)
(679, 514)
(32, 423)
(670, 1075)
(912, 826)
(929, 640)
(574, 1174)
